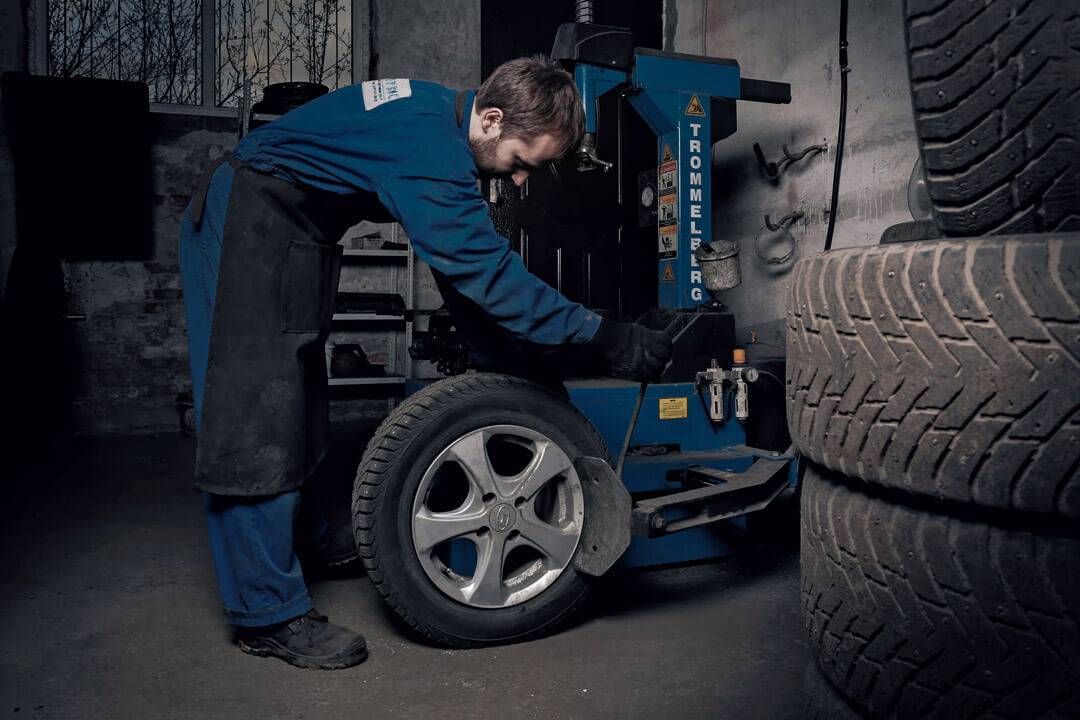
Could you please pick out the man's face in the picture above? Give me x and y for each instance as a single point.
(514, 157)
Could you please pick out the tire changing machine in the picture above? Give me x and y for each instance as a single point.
(684, 461)
(683, 465)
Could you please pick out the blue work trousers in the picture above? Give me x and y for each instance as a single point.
(251, 538)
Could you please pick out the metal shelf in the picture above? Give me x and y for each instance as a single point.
(368, 317)
(391, 254)
(381, 380)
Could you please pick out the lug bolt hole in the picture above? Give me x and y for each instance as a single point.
(488, 497)
(514, 534)
(519, 502)
(482, 531)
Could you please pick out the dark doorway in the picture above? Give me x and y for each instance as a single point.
(510, 29)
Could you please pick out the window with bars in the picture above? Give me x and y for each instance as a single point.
(160, 43)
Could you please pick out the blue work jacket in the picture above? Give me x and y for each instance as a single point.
(400, 140)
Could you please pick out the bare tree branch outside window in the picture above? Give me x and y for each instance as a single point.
(158, 42)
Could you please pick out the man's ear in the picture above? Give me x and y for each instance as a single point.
(490, 119)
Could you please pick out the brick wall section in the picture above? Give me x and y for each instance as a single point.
(133, 345)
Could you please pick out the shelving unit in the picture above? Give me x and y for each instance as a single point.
(398, 264)
(400, 254)
(367, 317)
(381, 380)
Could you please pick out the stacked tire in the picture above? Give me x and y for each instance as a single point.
(934, 389)
(934, 392)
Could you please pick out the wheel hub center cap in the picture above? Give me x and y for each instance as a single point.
(502, 517)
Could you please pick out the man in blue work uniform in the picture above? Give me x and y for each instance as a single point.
(259, 261)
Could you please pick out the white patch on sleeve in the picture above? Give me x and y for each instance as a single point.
(378, 92)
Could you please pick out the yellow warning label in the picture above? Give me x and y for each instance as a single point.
(694, 108)
(673, 408)
(669, 274)
(667, 153)
(668, 242)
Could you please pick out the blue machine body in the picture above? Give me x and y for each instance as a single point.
(609, 406)
(675, 95)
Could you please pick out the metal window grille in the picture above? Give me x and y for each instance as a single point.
(161, 43)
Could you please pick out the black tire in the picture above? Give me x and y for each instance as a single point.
(995, 87)
(821, 701)
(913, 614)
(403, 447)
(949, 368)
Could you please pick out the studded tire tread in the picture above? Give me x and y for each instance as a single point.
(949, 369)
(995, 88)
(915, 614)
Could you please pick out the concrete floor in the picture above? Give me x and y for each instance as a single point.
(110, 611)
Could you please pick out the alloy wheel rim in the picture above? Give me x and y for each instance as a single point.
(510, 491)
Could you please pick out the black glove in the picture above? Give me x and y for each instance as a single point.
(633, 351)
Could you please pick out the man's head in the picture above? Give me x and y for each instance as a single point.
(526, 114)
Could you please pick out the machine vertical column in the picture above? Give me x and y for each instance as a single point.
(696, 206)
(684, 210)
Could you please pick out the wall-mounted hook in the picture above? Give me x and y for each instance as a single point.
(786, 220)
(774, 169)
(783, 227)
(770, 168)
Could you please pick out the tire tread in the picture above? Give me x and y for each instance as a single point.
(918, 614)
(917, 366)
(994, 85)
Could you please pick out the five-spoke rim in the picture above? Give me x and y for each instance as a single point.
(514, 494)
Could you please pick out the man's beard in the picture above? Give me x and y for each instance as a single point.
(484, 155)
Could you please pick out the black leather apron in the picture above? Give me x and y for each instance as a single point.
(265, 412)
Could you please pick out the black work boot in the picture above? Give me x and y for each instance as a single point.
(309, 641)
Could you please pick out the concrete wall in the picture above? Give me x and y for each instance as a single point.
(429, 39)
(432, 40)
(132, 346)
(795, 41)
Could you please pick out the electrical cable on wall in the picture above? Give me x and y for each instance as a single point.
(844, 69)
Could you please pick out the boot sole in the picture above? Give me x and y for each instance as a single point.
(266, 648)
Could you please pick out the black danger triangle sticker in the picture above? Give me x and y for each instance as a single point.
(669, 274)
(694, 108)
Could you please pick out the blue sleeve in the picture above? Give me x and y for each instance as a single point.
(447, 221)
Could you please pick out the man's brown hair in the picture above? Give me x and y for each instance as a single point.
(536, 97)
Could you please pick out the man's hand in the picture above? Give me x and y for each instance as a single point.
(633, 351)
